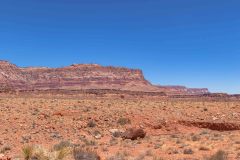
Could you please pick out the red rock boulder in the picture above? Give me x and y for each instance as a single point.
(133, 134)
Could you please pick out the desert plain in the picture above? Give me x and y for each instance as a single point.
(176, 128)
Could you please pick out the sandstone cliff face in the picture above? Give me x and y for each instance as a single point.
(86, 76)
(80, 76)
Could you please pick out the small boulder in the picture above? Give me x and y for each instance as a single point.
(3, 157)
(98, 136)
(133, 134)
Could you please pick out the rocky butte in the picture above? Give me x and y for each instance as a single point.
(81, 77)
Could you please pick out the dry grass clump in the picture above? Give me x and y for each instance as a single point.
(119, 156)
(85, 154)
(220, 155)
(62, 145)
(27, 152)
(39, 153)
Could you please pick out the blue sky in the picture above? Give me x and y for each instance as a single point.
(189, 42)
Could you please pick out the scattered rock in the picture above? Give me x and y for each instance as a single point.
(157, 126)
(214, 118)
(133, 134)
(55, 135)
(26, 139)
(98, 136)
(188, 151)
(160, 124)
(4, 157)
(60, 114)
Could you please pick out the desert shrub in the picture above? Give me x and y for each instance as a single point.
(5, 149)
(220, 155)
(62, 145)
(157, 158)
(84, 154)
(118, 156)
(117, 134)
(91, 143)
(195, 138)
(140, 157)
(123, 121)
(96, 132)
(238, 155)
(204, 132)
(188, 151)
(62, 154)
(88, 142)
(91, 124)
(27, 152)
(149, 153)
(39, 153)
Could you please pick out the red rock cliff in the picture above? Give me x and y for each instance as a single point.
(80, 76)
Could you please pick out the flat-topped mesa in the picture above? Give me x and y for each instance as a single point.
(85, 65)
(74, 77)
(198, 90)
(80, 77)
(175, 90)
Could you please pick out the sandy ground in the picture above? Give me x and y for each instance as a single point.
(86, 121)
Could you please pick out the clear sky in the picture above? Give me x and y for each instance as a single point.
(183, 42)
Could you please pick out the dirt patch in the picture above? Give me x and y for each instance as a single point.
(218, 126)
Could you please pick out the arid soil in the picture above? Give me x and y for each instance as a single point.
(175, 128)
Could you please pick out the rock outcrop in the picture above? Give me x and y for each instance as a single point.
(80, 77)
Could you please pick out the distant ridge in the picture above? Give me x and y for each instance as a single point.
(82, 76)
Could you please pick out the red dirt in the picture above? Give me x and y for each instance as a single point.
(172, 125)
